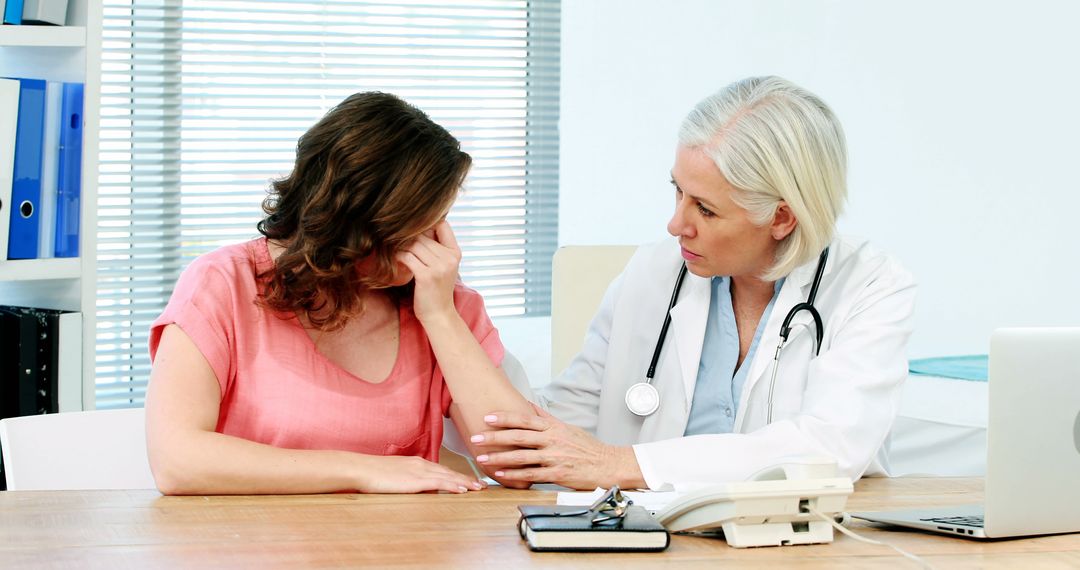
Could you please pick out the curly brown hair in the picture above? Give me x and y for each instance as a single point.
(370, 176)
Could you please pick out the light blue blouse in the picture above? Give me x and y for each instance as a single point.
(719, 385)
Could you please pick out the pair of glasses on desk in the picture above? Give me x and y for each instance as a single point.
(610, 508)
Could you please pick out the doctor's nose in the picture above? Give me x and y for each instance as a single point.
(679, 225)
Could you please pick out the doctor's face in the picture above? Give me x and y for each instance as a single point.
(716, 235)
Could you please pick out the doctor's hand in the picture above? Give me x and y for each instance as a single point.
(550, 451)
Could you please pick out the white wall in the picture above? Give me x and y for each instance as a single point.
(962, 120)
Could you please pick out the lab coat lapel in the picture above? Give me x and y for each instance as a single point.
(688, 320)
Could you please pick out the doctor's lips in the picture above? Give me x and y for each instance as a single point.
(689, 255)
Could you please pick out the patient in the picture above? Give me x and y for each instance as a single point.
(324, 355)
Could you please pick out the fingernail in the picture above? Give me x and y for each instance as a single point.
(477, 485)
(490, 419)
(482, 458)
(477, 438)
(499, 473)
(463, 489)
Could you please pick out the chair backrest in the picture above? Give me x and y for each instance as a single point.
(580, 274)
(103, 449)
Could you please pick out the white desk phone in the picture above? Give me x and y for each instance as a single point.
(773, 508)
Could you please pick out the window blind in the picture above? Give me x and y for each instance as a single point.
(203, 101)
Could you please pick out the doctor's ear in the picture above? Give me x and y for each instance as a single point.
(783, 222)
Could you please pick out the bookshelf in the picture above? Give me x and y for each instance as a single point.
(40, 269)
(63, 53)
(43, 36)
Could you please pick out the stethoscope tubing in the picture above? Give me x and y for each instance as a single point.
(667, 323)
(785, 331)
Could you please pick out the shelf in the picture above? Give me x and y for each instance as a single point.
(42, 36)
(40, 269)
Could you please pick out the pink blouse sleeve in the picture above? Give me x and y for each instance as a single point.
(203, 305)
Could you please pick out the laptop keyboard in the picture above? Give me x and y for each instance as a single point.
(974, 520)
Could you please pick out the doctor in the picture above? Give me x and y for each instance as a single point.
(758, 181)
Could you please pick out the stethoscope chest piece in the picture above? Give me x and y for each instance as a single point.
(642, 399)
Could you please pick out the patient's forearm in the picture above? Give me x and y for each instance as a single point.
(200, 462)
(476, 384)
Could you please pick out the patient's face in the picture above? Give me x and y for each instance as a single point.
(716, 235)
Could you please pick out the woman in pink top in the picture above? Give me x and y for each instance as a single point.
(323, 356)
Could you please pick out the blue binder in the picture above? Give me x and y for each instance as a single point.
(26, 187)
(13, 12)
(69, 179)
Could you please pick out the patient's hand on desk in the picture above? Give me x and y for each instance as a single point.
(407, 474)
(550, 451)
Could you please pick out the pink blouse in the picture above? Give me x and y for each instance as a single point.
(278, 389)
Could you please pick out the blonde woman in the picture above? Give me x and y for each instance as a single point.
(758, 182)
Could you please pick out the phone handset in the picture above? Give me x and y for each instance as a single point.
(773, 508)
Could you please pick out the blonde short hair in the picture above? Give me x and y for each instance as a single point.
(775, 141)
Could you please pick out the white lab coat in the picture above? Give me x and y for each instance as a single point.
(840, 404)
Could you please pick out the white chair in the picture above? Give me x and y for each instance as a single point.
(580, 274)
(104, 449)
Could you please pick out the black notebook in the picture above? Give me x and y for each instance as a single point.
(638, 530)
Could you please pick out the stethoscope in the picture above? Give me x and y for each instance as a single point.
(643, 399)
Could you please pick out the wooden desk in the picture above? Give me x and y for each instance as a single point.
(141, 529)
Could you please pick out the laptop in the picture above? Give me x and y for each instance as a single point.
(1032, 447)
